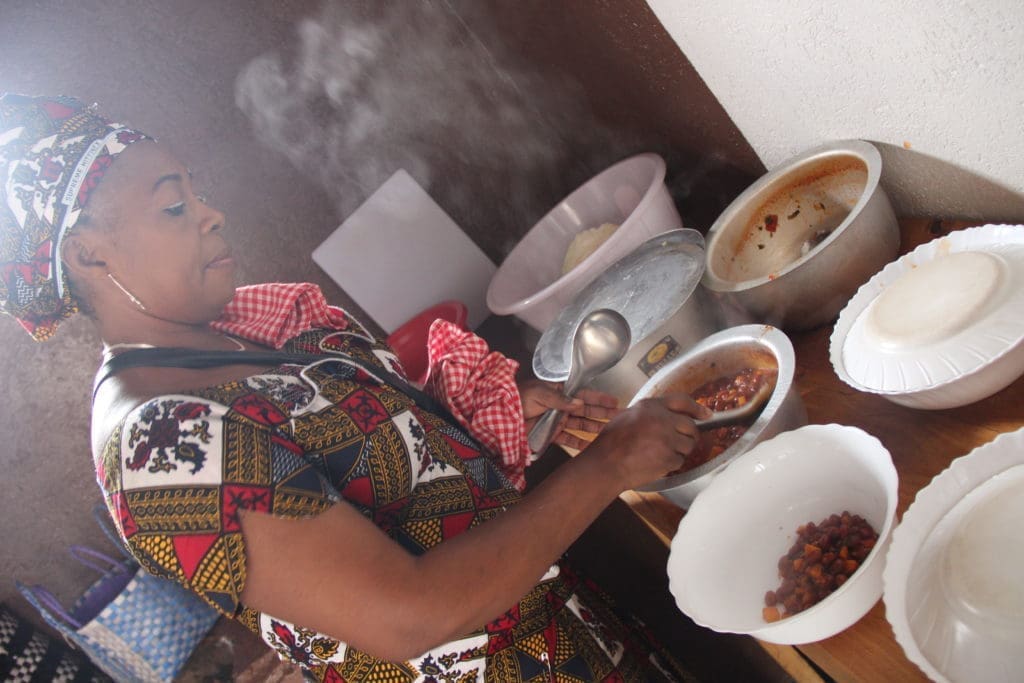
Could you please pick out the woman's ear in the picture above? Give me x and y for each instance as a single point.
(82, 255)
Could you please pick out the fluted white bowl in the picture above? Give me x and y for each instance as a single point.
(953, 589)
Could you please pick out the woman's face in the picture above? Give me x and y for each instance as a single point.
(163, 243)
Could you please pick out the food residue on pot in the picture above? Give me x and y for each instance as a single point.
(814, 241)
(790, 222)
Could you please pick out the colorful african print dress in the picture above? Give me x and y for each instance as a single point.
(294, 441)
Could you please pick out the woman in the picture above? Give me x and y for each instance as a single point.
(357, 527)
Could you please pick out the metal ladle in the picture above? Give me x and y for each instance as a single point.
(600, 341)
(741, 413)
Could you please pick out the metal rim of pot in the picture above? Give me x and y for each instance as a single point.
(867, 153)
(781, 348)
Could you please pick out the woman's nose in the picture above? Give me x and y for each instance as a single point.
(212, 219)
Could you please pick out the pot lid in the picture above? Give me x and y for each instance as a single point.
(647, 286)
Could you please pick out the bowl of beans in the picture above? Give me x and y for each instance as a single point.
(788, 543)
(724, 371)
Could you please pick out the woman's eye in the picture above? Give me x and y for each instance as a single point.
(175, 209)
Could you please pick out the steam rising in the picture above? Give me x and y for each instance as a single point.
(409, 85)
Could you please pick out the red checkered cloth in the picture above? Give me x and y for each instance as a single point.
(479, 387)
(272, 313)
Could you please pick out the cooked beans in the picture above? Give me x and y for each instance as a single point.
(723, 393)
(821, 560)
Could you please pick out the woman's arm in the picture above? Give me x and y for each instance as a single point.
(339, 574)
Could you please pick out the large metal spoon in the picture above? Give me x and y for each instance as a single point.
(600, 341)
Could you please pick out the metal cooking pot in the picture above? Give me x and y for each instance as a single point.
(657, 289)
(833, 229)
(721, 355)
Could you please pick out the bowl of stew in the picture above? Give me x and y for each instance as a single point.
(723, 371)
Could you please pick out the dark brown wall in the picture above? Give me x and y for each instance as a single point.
(642, 89)
(500, 108)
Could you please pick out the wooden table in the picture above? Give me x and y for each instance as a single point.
(922, 444)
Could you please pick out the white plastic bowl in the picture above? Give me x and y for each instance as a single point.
(939, 327)
(725, 554)
(953, 589)
(632, 193)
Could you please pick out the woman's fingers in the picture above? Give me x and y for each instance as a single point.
(570, 440)
(584, 424)
(594, 412)
(683, 403)
(587, 414)
(587, 403)
(684, 409)
(538, 397)
(598, 399)
(688, 428)
(675, 413)
(685, 441)
(590, 409)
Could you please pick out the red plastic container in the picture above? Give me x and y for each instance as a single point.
(409, 340)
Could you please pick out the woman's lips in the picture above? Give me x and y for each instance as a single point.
(222, 261)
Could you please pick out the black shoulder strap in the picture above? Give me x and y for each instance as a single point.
(197, 359)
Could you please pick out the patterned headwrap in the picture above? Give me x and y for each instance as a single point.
(53, 152)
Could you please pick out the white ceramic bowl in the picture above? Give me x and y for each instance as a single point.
(632, 193)
(725, 554)
(953, 588)
(941, 326)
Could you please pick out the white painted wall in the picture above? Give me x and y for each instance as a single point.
(942, 77)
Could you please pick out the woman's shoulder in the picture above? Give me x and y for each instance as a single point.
(150, 429)
(121, 398)
(138, 391)
(203, 437)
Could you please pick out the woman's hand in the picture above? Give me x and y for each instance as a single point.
(649, 439)
(587, 412)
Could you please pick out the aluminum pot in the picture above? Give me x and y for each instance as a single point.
(795, 246)
(657, 289)
(722, 354)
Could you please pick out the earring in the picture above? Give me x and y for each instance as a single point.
(128, 294)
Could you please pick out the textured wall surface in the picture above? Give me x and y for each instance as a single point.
(290, 113)
(944, 77)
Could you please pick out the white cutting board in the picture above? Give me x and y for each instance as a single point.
(400, 253)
